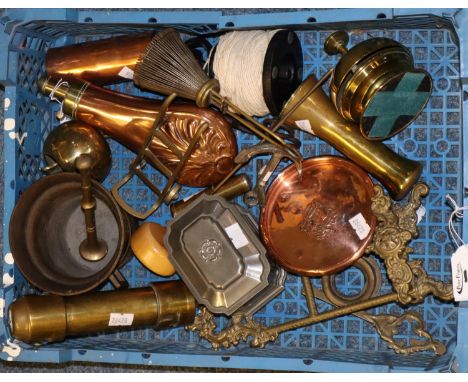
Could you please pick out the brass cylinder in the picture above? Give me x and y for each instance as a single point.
(52, 318)
(376, 85)
(235, 186)
(101, 62)
(129, 119)
(396, 173)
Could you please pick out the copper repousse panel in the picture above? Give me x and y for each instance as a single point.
(321, 224)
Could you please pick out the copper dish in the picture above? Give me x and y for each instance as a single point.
(306, 223)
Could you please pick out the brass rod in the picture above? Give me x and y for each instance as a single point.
(149, 156)
(278, 124)
(329, 315)
(254, 125)
(183, 161)
(227, 177)
(91, 248)
(169, 144)
(321, 296)
(140, 174)
(261, 130)
(309, 295)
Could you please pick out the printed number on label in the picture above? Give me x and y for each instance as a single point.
(360, 226)
(121, 319)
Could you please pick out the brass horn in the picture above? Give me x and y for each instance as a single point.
(316, 114)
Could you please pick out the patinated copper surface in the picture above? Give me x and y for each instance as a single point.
(98, 61)
(305, 223)
(128, 119)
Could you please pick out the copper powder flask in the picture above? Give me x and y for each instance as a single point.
(129, 119)
(316, 114)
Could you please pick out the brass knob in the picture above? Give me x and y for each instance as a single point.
(336, 43)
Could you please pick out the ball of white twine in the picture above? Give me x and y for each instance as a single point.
(238, 66)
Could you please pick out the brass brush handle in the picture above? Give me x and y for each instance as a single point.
(92, 248)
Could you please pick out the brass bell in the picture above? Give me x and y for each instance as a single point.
(376, 85)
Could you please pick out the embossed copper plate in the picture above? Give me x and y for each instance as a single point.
(321, 224)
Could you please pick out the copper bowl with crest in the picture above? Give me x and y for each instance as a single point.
(322, 223)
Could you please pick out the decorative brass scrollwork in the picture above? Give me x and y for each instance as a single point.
(395, 229)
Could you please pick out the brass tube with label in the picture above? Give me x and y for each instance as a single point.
(51, 318)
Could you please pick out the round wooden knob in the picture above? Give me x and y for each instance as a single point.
(147, 243)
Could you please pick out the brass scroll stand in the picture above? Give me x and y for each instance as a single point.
(396, 227)
(171, 190)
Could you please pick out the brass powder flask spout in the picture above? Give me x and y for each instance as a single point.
(311, 110)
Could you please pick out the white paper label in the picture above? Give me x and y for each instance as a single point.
(460, 274)
(305, 125)
(236, 235)
(126, 73)
(121, 319)
(360, 225)
(420, 212)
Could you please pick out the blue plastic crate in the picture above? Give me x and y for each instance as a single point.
(438, 41)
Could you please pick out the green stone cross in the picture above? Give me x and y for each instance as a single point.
(387, 106)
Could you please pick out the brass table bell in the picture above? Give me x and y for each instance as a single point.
(376, 85)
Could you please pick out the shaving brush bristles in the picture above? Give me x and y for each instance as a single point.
(168, 66)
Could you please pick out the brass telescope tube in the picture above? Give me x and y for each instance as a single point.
(396, 173)
(51, 318)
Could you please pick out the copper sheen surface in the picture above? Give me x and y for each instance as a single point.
(306, 223)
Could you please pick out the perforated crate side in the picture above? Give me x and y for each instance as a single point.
(344, 344)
